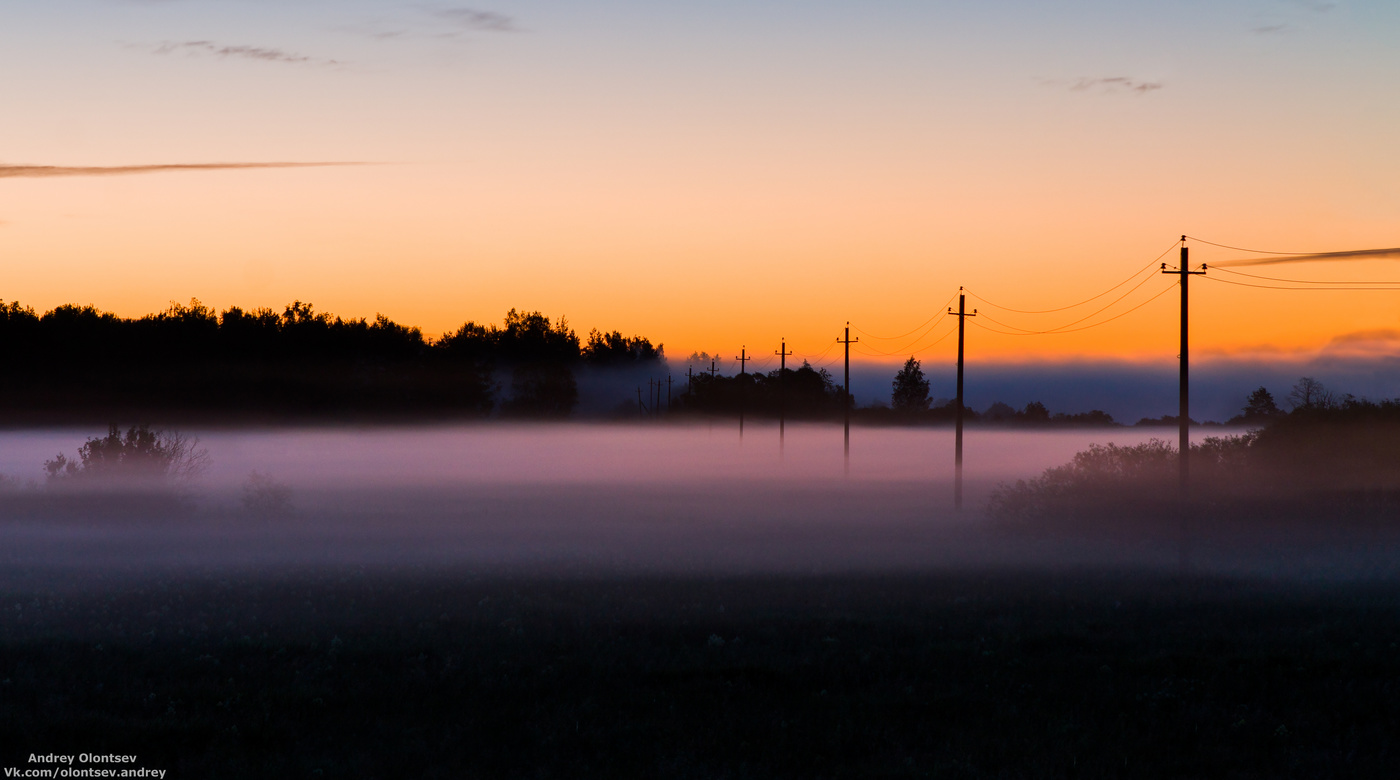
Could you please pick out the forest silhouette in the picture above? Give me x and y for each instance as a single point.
(76, 362)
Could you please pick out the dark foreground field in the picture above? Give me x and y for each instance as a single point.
(349, 674)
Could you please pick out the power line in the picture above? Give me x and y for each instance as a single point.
(1242, 249)
(1164, 291)
(902, 350)
(921, 327)
(1303, 289)
(819, 355)
(1298, 281)
(1066, 327)
(1154, 261)
(911, 348)
(935, 342)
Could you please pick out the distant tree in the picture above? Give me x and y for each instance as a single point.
(1093, 417)
(1035, 413)
(612, 349)
(530, 338)
(1310, 394)
(910, 388)
(1259, 408)
(999, 411)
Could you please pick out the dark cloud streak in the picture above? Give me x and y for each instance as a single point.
(1115, 84)
(1355, 254)
(476, 19)
(52, 171)
(262, 53)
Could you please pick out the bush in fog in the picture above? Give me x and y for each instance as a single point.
(264, 496)
(1107, 482)
(141, 456)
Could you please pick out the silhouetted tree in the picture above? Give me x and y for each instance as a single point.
(1034, 413)
(1259, 409)
(612, 349)
(1093, 417)
(910, 388)
(1309, 394)
(998, 412)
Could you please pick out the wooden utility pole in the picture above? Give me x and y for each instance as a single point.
(641, 407)
(962, 316)
(743, 359)
(1184, 409)
(846, 394)
(782, 395)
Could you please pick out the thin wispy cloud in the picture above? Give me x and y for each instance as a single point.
(1271, 29)
(263, 53)
(52, 171)
(1107, 85)
(1316, 6)
(435, 21)
(475, 19)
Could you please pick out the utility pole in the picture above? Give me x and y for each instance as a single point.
(782, 395)
(711, 416)
(668, 394)
(743, 359)
(641, 408)
(651, 394)
(846, 395)
(962, 316)
(1184, 412)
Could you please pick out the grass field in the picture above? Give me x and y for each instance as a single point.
(348, 674)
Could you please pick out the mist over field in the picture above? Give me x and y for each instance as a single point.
(611, 499)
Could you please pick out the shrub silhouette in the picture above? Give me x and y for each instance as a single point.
(1110, 485)
(264, 496)
(139, 457)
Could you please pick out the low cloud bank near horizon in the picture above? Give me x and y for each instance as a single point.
(50, 171)
(1131, 391)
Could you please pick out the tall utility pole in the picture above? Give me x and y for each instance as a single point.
(782, 394)
(1184, 412)
(712, 369)
(743, 359)
(962, 316)
(846, 394)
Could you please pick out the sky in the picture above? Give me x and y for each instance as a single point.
(717, 175)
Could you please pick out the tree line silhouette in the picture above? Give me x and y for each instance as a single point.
(77, 361)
